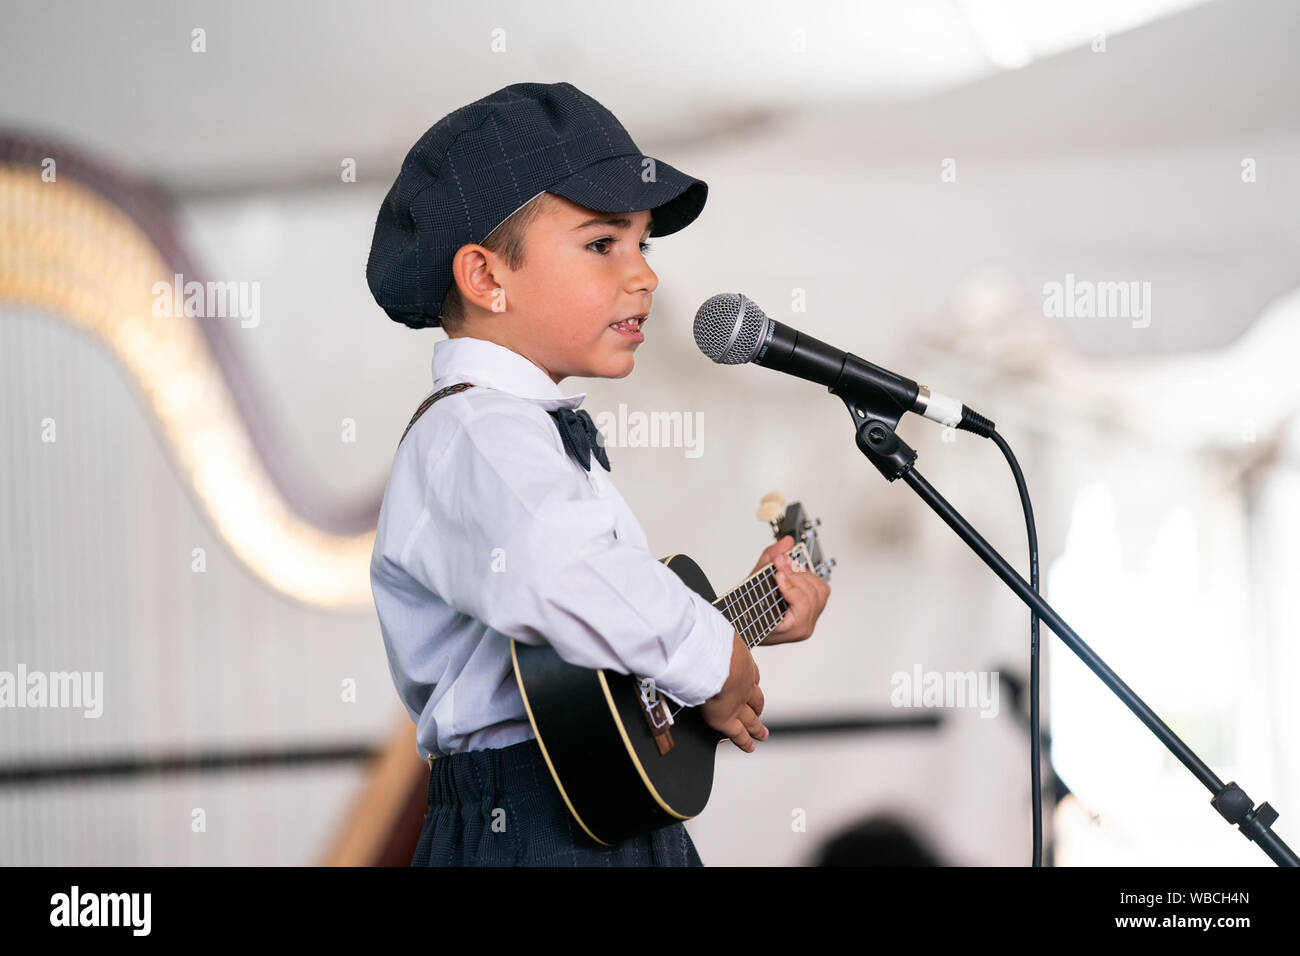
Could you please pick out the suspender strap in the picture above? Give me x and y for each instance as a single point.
(424, 407)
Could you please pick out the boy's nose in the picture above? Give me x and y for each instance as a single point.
(643, 278)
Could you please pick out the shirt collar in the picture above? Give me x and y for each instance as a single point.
(466, 359)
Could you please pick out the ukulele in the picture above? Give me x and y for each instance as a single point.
(626, 759)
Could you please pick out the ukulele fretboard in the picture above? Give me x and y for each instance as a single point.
(755, 606)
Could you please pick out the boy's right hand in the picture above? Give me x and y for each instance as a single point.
(733, 711)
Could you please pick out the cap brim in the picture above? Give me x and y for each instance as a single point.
(620, 184)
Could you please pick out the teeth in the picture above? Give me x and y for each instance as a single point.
(630, 325)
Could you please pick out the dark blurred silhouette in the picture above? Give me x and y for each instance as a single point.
(879, 840)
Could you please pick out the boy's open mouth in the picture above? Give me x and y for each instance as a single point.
(630, 326)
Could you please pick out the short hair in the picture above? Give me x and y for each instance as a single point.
(507, 241)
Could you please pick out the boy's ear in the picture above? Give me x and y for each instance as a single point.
(472, 271)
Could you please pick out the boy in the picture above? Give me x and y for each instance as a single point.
(514, 224)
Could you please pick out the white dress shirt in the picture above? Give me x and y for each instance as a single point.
(490, 531)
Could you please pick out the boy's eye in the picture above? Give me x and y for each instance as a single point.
(605, 240)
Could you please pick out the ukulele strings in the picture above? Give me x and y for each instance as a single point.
(743, 628)
(757, 615)
(767, 573)
(733, 598)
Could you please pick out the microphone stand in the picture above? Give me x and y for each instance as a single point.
(875, 417)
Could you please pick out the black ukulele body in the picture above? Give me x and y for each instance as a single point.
(600, 747)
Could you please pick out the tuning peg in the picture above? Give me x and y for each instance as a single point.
(770, 506)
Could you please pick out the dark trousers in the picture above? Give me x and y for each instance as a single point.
(501, 807)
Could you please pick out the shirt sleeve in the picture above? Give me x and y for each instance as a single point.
(510, 536)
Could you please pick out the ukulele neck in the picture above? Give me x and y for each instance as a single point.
(755, 606)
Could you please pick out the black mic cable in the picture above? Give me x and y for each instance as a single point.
(1035, 728)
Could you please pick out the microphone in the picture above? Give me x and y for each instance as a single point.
(731, 330)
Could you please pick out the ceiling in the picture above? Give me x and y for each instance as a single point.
(284, 92)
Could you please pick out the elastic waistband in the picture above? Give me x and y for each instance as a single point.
(476, 776)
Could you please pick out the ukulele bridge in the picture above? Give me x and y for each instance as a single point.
(657, 715)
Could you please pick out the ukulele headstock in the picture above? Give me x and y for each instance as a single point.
(793, 520)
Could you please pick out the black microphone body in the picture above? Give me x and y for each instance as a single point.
(797, 353)
(731, 329)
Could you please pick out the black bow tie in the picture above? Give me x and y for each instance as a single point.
(581, 437)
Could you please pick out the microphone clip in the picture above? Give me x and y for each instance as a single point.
(875, 423)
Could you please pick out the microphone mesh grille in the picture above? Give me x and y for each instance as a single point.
(729, 327)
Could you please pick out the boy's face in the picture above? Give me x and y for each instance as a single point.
(579, 278)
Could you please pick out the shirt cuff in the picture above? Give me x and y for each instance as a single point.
(700, 665)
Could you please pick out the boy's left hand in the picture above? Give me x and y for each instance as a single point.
(804, 591)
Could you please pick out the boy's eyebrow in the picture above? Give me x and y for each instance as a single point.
(618, 222)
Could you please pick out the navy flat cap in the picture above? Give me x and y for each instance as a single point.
(479, 164)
